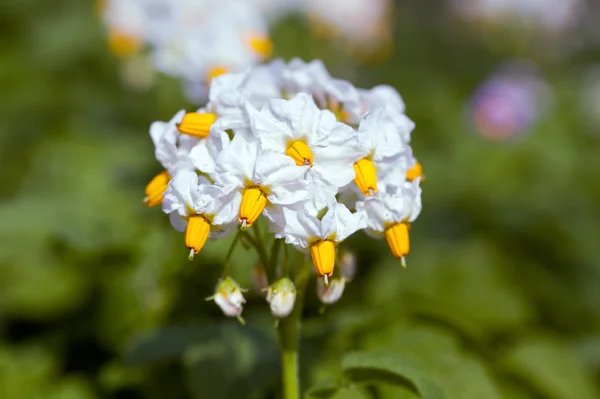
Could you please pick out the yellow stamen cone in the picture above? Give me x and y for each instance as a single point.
(156, 188)
(214, 72)
(323, 257)
(261, 45)
(300, 153)
(122, 44)
(415, 172)
(254, 201)
(366, 176)
(196, 233)
(398, 240)
(196, 125)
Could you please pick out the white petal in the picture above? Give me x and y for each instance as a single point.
(236, 161)
(339, 222)
(288, 193)
(300, 227)
(205, 152)
(273, 169)
(179, 195)
(178, 223)
(272, 133)
(229, 208)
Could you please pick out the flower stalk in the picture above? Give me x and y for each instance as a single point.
(288, 332)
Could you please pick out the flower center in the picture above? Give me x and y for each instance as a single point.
(300, 153)
(123, 44)
(254, 201)
(156, 188)
(323, 257)
(196, 125)
(366, 176)
(196, 233)
(398, 240)
(415, 172)
(214, 72)
(260, 44)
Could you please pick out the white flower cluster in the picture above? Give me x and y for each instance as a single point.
(317, 157)
(560, 16)
(194, 40)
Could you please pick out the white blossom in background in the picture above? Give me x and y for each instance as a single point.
(197, 40)
(332, 292)
(194, 40)
(547, 15)
(268, 143)
(364, 24)
(545, 28)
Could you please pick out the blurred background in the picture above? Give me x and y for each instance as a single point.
(501, 297)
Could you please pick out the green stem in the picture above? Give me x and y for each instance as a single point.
(262, 254)
(230, 252)
(275, 256)
(289, 338)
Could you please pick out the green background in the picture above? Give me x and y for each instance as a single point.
(501, 298)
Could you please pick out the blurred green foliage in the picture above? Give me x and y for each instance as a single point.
(501, 298)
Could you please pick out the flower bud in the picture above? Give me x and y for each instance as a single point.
(228, 296)
(347, 264)
(259, 278)
(281, 296)
(331, 293)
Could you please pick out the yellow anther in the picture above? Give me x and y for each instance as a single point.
(214, 72)
(415, 172)
(254, 201)
(196, 125)
(196, 233)
(123, 44)
(300, 153)
(398, 240)
(156, 188)
(342, 115)
(323, 257)
(261, 45)
(366, 176)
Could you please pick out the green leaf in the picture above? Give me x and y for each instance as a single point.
(352, 392)
(551, 369)
(242, 362)
(379, 366)
(323, 390)
(441, 356)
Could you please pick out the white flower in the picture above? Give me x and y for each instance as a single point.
(311, 137)
(384, 132)
(172, 149)
(332, 292)
(281, 297)
(381, 96)
(336, 95)
(391, 213)
(305, 230)
(193, 40)
(261, 178)
(384, 135)
(199, 209)
(228, 296)
(229, 94)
